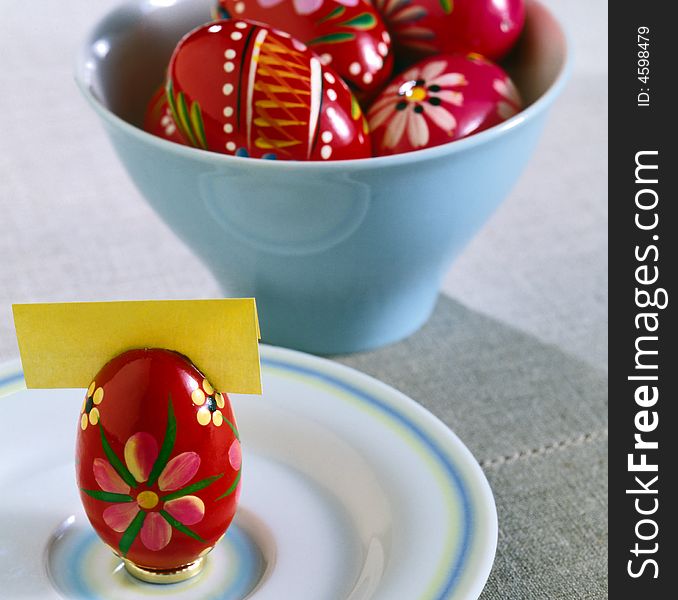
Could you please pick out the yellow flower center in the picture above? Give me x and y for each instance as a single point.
(416, 94)
(147, 500)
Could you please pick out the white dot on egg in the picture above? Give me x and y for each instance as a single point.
(228, 128)
(326, 137)
(329, 78)
(228, 67)
(230, 146)
(367, 78)
(326, 59)
(239, 7)
(230, 53)
(382, 48)
(241, 25)
(354, 68)
(236, 35)
(228, 111)
(386, 37)
(326, 152)
(331, 94)
(215, 29)
(227, 89)
(299, 46)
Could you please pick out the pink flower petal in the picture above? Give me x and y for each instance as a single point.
(396, 128)
(119, 516)
(456, 98)
(179, 471)
(268, 3)
(433, 69)
(441, 117)
(411, 13)
(387, 100)
(107, 477)
(412, 75)
(188, 510)
(235, 455)
(141, 450)
(448, 80)
(306, 7)
(506, 89)
(377, 119)
(156, 533)
(417, 130)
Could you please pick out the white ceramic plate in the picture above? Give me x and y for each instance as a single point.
(351, 491)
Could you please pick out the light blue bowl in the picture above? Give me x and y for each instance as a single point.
(341, 256)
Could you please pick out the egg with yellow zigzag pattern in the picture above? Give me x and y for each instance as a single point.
(241, 88)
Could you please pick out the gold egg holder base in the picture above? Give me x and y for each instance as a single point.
(165, 575)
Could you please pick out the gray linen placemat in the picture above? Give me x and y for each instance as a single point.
(536, 420)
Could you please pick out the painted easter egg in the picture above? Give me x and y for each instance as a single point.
(440, 99)
(348, 34)
(423, 27)
(157, 460)
(158, 119)
(242, 88)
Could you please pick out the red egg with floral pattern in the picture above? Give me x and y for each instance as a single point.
(242, 88)
(158, 119)
(348, 34)
(158, 462)
(423, 27)
(441, 99)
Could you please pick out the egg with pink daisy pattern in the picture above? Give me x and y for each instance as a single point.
(439, 100)
(157, 462)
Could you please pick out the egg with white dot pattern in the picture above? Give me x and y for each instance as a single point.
(241, 88)
(344, 33)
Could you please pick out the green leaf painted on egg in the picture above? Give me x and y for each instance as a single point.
(167, 445)
(334, 14)
(363, 21)
(180, 526)
(198, 126)
(185, 119)
(131, 532)
(232, 487)
(447, 6)
(332, 38)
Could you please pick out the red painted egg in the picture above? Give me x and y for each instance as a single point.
(158, 119)
(348, 34)
(157, 459)
(241, 88)
(423, 27)
(440, 99)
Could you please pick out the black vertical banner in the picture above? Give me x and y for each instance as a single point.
(643, 170)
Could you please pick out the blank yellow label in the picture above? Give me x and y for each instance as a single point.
(63, 345)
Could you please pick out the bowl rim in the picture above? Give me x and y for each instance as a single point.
(217, 159)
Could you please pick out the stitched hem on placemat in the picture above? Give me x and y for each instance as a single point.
(578, 440)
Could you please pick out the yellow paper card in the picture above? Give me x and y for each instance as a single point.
(64, 345)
